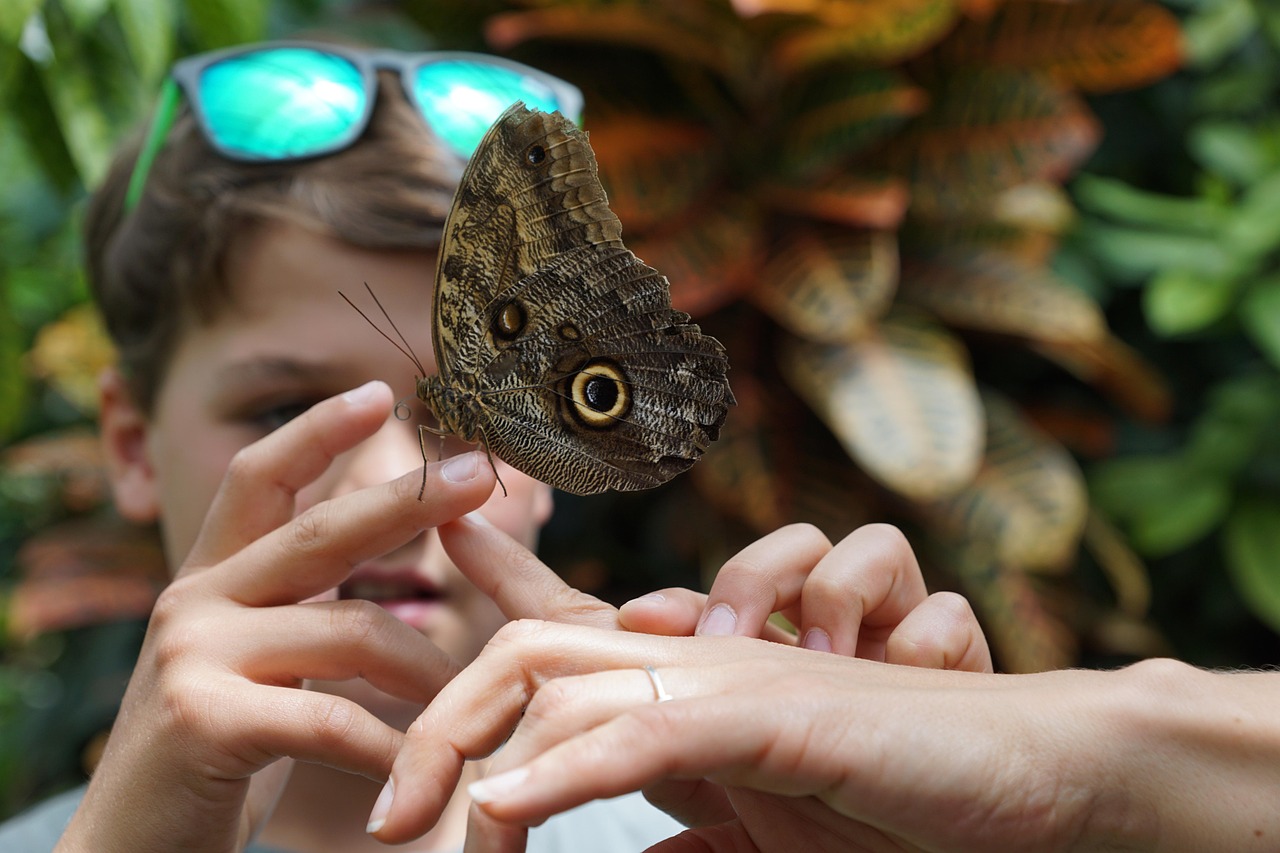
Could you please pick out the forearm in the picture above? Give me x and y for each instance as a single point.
(1189, 759)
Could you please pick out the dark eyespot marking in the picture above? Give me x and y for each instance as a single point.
(535, 155)
(509, 321)
(600, 395)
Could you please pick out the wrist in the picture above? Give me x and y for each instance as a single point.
(1184, 759)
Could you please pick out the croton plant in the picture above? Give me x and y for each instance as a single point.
(858, 197)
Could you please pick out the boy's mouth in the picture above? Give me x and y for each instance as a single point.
(386, 587)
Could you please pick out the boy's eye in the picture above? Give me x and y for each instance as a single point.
(271, 418)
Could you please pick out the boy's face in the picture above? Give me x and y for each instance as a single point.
(286, 341)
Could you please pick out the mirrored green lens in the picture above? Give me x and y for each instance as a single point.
(461, 99)
(282, 103)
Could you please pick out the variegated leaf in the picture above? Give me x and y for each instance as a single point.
(847, 198)
(1116, 369)
(992, 292)
(901, 400)
(654, 169)
(1025, 636)
(871, 31)
(1028, 501)
(1090, 45)
(829, 284)
(985, 133)
(831, 117)
(710, 255)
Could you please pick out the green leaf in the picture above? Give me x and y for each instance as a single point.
(1131, 206)
(221, 23)
(1254, 230)
(1233, 150)
(13, 386)
(1260, 316)
(84, 14)
(1213, 33)
(1251, 541)
(1240, 415)
(1134, 254)
(1179, 302)
(1164, 503)
(14, 15)
(149, 28)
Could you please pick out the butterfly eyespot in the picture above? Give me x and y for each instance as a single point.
(569, 332)
(601, 395)
(509, 321)
(535, 155)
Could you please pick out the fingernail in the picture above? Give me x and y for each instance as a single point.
(650, 598)
(381, 807)
(363, 394)
(497, 787)
(460, 469)
(477, 518)
(817, 639)
(720, 621)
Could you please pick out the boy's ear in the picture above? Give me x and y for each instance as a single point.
(124, 428)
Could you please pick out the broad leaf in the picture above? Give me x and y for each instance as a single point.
(149, 29)
(992, 292)
(1164, 503)
(1025, 636)
(987, 132)
(846, 198)
(902, 402)
(654, 169)
(870, 31)
(1133, 206)
(1252, 544)
(1117, 369)
(14, 15)
(829, 284)
(1179, 302)
(1124, 569)
(1028, 500)
(1091, 45)
(709, 256)
(221, 23)
(1260, 316)
(830, 117)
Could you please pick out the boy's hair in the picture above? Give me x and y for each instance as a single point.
(161, 267)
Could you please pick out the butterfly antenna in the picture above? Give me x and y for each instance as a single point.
(402, 344)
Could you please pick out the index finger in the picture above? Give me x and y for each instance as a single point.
(258, 490)
(520, 584)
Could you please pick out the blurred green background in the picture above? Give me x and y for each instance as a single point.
(1138, 199)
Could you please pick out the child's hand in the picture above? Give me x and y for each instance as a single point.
(214, 698)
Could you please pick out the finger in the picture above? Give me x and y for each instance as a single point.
(477, 711)
(859, 592)
(675, 612)
(318, 728)
(257, 493)
(693, 802)
(336, 641)
(317, 550)
(518, 582)
(760, 579)
(559, 710)
(718, 737)
(941, 633)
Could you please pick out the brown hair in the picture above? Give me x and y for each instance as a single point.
(160, 267)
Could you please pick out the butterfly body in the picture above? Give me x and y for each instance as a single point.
(557, 348)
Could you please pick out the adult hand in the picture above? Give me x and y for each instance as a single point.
(865, 594)
(214, 698)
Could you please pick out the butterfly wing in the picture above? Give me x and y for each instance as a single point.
(585, 376)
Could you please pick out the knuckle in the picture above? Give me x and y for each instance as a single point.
(333, 721)
(310, 529)
(886, 538)
(808, 534)
(360, 624)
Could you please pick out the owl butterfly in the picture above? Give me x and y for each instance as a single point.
(557, 348)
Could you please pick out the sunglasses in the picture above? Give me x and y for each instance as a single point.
(280, 101)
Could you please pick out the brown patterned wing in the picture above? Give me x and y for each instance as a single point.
(557, 347)
(530, 192)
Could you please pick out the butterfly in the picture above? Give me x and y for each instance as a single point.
(556, 347)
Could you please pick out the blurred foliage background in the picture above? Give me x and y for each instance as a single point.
(1003, 272)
